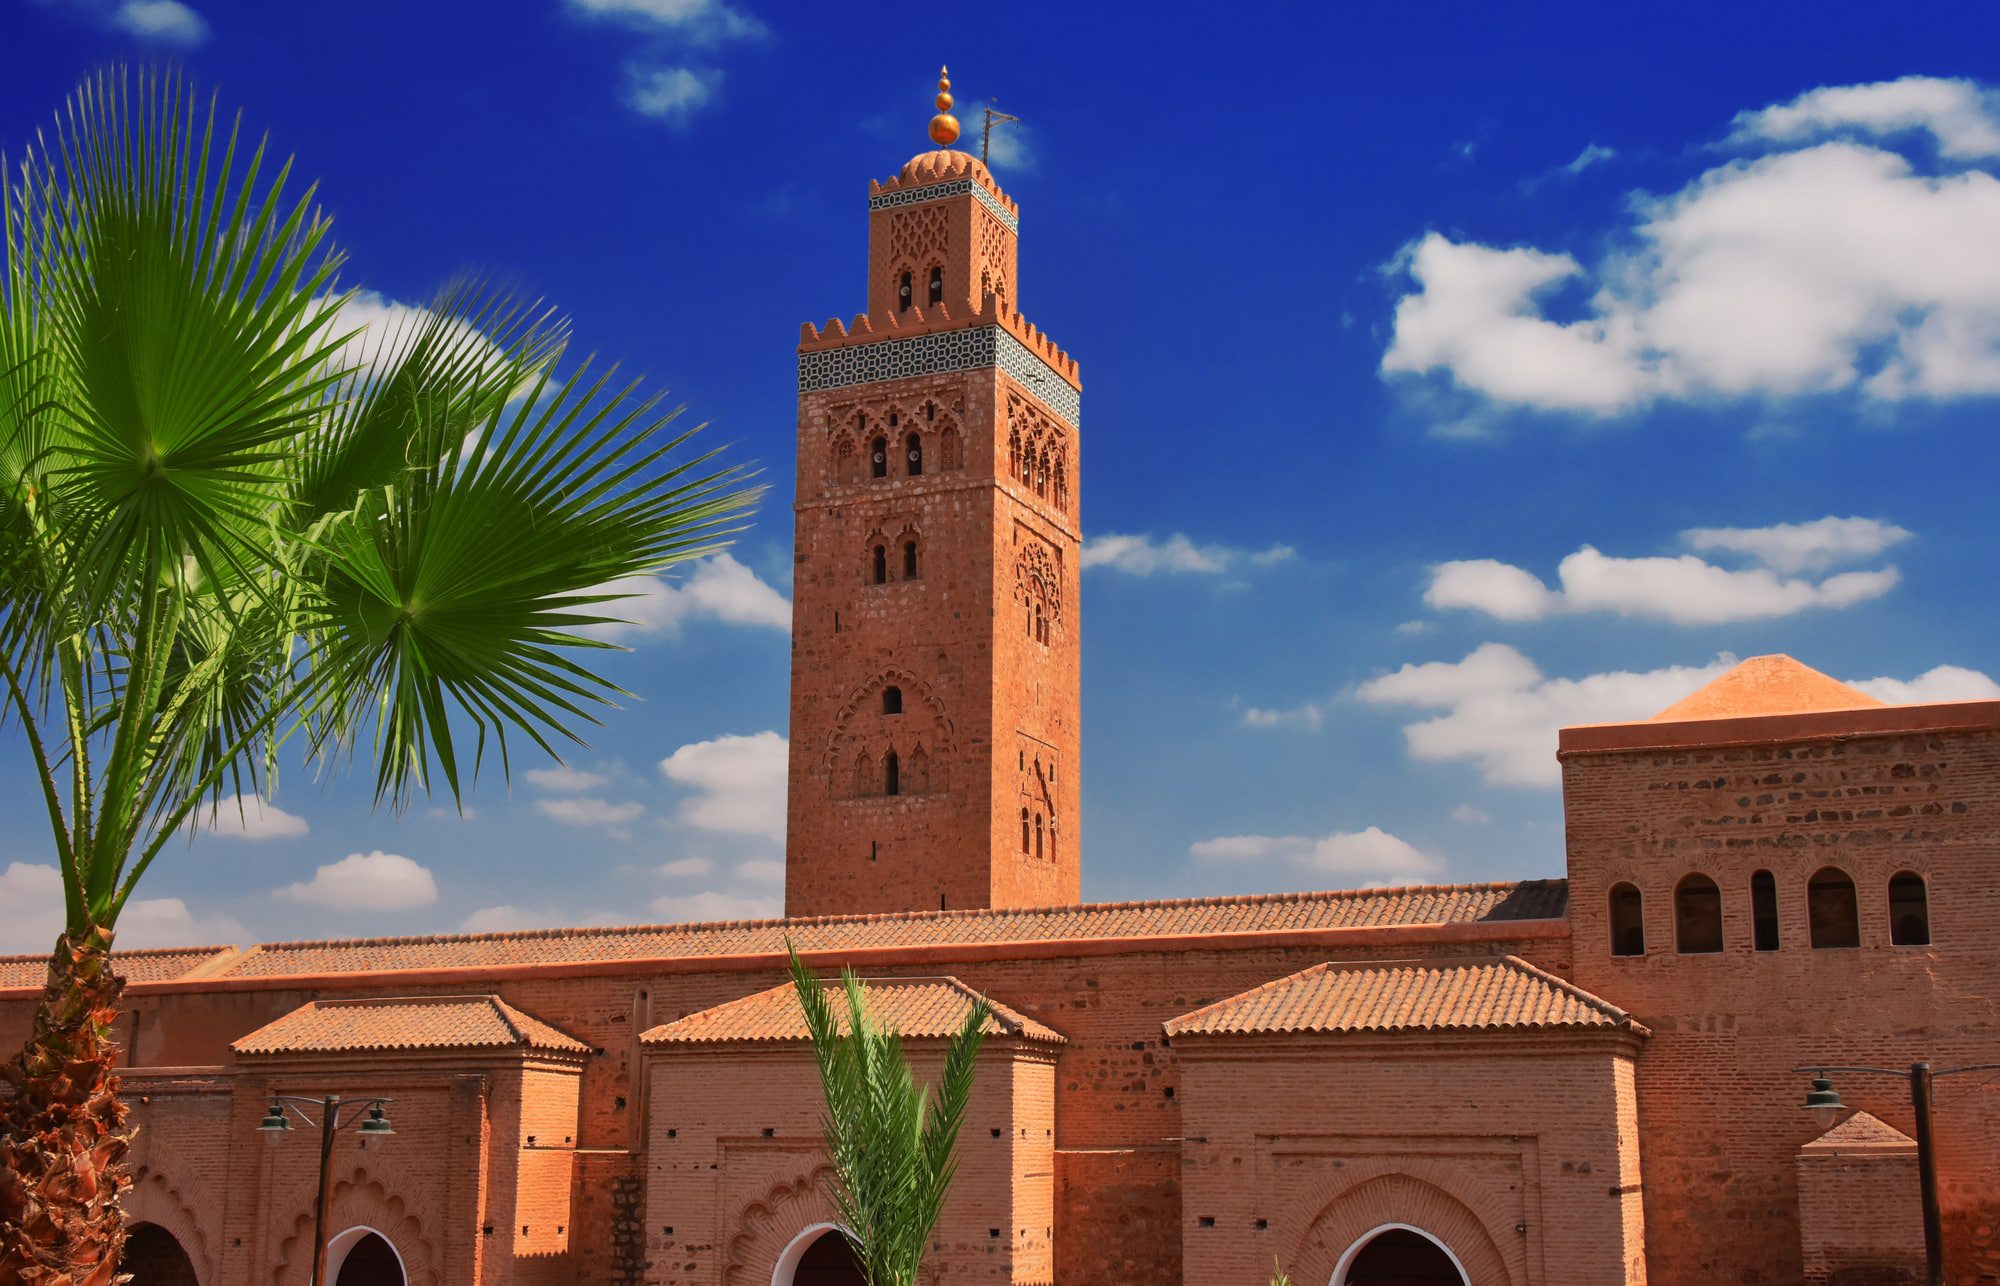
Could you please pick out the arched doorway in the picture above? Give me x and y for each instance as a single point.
(363, 1257)
(155, 1258)
(1398, 1255)
(819, 1256)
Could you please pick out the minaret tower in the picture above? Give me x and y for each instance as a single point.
(935, 678)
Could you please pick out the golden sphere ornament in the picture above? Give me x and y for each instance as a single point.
(944, 126)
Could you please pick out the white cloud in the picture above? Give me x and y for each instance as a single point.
(167, 21)
(1145, 555)
(1470, 815)
(1684, 590)
(564, 780)
(502, 919)
(739, 783)
(1501, 713)
(33, 900)
(716, 906)
(687, 868)
(247, 817)
(761, 870)
(386, 330)
(718, 589)
(671, 94)
(583, 810)
(697, 22)
(1592, 154)
(1940, 683)
(167, 922)
(1309, 716)
(374, 881)
(1805, 270)
(1961, 116)
(1371, 855)
(1802, 546)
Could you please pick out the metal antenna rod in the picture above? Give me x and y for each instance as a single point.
(986, 133)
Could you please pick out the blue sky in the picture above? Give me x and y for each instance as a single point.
(1451, 373)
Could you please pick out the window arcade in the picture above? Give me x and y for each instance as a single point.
(1628, 921)
(1697, 916)
(1833, 918)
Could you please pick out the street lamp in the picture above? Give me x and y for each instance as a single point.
(277, 1124)
(1823, 1101)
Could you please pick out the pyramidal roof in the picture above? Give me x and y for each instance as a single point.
(1862, 1132)
(1767, 685)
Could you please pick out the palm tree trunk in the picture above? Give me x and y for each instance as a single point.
(62, 1129)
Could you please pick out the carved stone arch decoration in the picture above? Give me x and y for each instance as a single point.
(155, 1199)
(362, 1200)
(951, 444)
(1037, 577)
(845, 467)
(863, 736)
(1351, 1212)
(770, 1223)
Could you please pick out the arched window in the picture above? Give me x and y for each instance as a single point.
(1062, 485)
(1697, 916)
(914, 454)
(1833, 917)
(909, 560)
(881, 568)
(892, 774)
(917, 778)
(1038, 834)
(903, 293)
(878, 458)
(1909, 910)
(1014, 454)
(892, 700)
(1764, 910)
(937, 286)
(1628, 921)
(1024, 831)
(1041, 624)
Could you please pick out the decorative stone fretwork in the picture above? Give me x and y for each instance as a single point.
(938, 192)
(950, 350)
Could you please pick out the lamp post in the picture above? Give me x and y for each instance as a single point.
(277, 1124)
(1823, 1101)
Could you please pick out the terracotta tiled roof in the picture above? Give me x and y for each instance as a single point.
(1492, 993)
(412, 1022)
(162, 965)
(916, 1008)
(1862, 1132)
(1767, 685)
(1362, 908)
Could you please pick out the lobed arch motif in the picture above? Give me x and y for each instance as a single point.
(1038, 452)
(1038, 591)
(918, 735)
(155, 1199)
(990, 247)
(768, 1226)
(919, 235)
(931, 416)
(1356, 1213)
(362, 1201)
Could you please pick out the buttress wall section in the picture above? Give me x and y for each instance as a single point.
(935, 675)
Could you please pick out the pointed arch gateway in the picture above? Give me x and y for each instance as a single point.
(1399, 1254)
(1348, 1242)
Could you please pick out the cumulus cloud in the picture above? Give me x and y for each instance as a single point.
(761, 870)
(1685, 589)
(1177, 554)
(376, 881)
(1500, 713)
(1816, 265)
(167, 22)
(247, 817)
(738, 783)
(1369, 856)
(682, 868)
(502, 919)
(717, 589)
(674, 95)
(675, 907)
(561, 779)
(583, 810)
(381, 332)
(31, 894)
(1470, 815)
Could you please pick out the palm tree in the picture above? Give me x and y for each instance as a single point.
(228, 522)
(891, 1144)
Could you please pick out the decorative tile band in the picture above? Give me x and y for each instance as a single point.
(947, 350)
(938, 192)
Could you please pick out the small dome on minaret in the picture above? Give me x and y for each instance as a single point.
(944, 126)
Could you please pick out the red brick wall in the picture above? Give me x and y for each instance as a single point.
(1860, 1220)
(1718, 1100)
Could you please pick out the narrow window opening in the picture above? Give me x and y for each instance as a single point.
(878, 458)
(892, 419)
(1697, 916)
(874, 849)
(892, 700)
(903, 293)
(1764, 910)
(881, 564)
(930, 410)
(909, 560)
(940, 901)
(1628, 921)
(1038, 834)
(1833, 917)
(915, 454)
(892, 775)
(1024, 831)
(836, 622)
(1909, 910)
(937, 286)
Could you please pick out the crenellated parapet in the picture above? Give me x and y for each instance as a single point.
(928, 170)
(889, 324)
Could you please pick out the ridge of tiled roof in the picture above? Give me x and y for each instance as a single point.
(1414, 905)
(148, 964)
(406, 1023)
(1862, 1130)
(1480, 993)
(915, 1008)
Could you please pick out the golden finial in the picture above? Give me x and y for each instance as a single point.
(944, 126)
